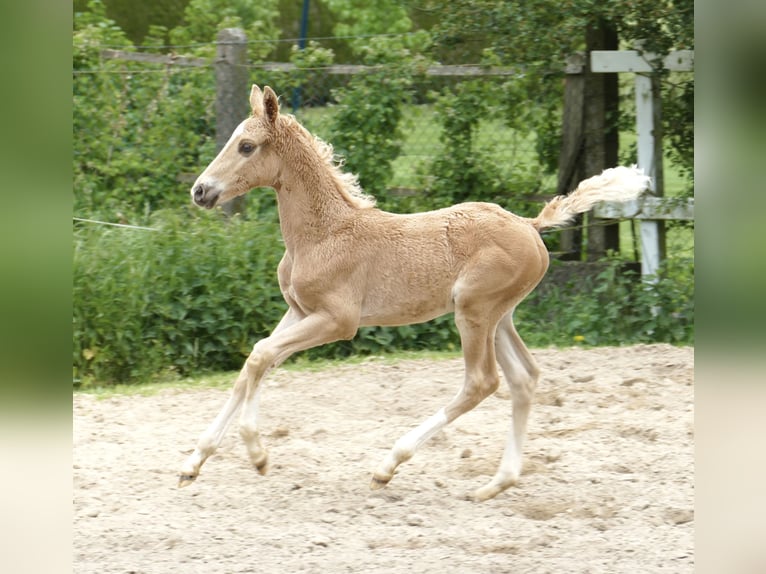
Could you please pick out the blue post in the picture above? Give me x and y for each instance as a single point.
(301, 45)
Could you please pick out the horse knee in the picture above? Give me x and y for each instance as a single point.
(258, 362)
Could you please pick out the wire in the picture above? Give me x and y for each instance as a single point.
(124, 225)
(175, 70)
(268, 41)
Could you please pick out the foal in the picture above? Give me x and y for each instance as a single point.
(348, 264)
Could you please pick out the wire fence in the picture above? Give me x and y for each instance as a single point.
(421, 122)
(160, 129)
(311, 93)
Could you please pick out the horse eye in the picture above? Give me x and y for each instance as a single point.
(246, 148)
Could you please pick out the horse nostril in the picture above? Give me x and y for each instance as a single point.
(199, 192)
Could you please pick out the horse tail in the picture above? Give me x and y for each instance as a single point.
(613, 184)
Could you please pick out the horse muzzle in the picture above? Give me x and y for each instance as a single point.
(205, 195)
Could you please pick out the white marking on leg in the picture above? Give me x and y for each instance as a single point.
(248, 431)
(521, 375)
(510, 464)
(509, 470)
(406, 446)
(210, 439)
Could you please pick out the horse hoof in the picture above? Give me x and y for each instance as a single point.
(262, 467)
(482, 494)
(185, 480)
(260, 461)
(378, 483)
(489, 491)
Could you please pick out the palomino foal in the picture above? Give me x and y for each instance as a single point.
(348, 264)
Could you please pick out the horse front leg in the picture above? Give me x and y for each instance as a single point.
(305, 333)
(294, 333)
(211, 438)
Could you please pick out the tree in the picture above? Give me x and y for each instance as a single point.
(360, 17)
(539, 35)
(136, 18)
(203, 19)
(548, 31)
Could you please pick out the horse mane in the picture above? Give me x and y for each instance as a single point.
(346, 183)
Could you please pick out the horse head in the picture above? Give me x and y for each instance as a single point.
(247, 160)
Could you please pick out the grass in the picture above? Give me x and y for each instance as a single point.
(225, 379)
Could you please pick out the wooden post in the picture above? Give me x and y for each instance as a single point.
(649, 124)
(600, 133)
(570, 171)
(231, 107)
(649, 128)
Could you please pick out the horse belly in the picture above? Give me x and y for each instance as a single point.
(404, 296)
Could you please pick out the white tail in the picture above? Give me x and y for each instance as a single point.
(613, 184)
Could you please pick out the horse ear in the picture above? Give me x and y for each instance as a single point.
(270, 104)
(256, 100)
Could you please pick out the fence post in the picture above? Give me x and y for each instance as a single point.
(572, 143)
(649, 128)
(600, 132)
(230, 95)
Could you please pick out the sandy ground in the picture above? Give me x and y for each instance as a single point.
(607, 485)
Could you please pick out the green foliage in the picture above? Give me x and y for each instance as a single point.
(136, 129)
(92, 31)
(309, 73)
(137, 18)
(357, 17)
(463, 171)
(548, 31)
(537, 37)
(366, 126)
(614, 307)
(470, 171)
(678, 126)
(362, 18)
(203, 19)
(196, 294)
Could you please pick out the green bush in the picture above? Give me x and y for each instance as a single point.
(195, 294)
(366, 128)
(198, 292)
(613, 307)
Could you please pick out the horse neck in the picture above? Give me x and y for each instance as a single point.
(311, 205)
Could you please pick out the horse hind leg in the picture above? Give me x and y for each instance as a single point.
(405, 448)
(481, 380)
(521, 374)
